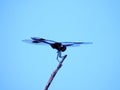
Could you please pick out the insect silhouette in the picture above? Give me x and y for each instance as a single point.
(59, 46)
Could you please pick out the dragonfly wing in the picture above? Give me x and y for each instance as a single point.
(34, 42)
(37, 39)
(75, 43)
(42, 40)
(50, 41)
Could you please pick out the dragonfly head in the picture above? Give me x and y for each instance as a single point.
(63, 48)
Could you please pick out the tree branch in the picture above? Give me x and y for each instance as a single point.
(54, 73)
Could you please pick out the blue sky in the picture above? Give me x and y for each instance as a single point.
(88, 67)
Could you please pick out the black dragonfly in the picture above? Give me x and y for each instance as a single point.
(59, 46)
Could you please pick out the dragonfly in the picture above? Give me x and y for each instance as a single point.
(59, 46)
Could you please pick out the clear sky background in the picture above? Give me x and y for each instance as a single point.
(88, 67)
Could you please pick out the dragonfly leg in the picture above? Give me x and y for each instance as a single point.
(57, 58)
(59, 55)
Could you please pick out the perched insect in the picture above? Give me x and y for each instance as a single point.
(59, 46)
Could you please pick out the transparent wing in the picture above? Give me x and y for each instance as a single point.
(43, 40)
(74, 43)
(38, 41)
(34, 42)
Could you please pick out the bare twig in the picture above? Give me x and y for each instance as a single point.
(54, 73)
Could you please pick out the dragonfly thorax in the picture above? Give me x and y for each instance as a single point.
(58, 46)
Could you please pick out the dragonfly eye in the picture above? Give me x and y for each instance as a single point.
(63, 48)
